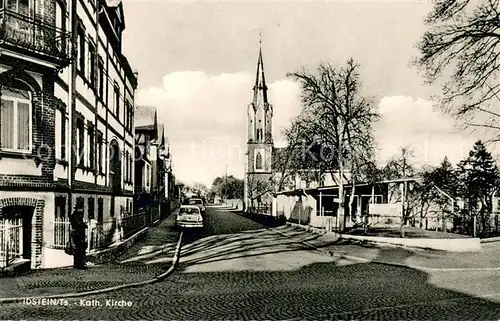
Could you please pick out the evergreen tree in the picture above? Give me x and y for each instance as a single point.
(439, 187)
(478, 179)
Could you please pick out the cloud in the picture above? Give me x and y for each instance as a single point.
(205, 119)
(417, 124)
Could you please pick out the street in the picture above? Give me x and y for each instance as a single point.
(237, 269)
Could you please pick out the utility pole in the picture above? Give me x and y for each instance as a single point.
(225, 185)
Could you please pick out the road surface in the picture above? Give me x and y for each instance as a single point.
(236, 269)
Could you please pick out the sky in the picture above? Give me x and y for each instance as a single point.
(197, 64)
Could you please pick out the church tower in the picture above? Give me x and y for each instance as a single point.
(259, 169)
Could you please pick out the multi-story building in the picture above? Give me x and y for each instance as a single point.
(34, 43)
(154, 181)
(146, 132)
(160, 165)
(67, 129)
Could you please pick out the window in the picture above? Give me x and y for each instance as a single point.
(81, 49)
(92, 61)
(131, 120)
(60, 207)
(91, 208)
(22, 7)
(80, 132)
(131, 164)
(16, 124)
(259, 134)
(100, 209)
(91, 150)
(80, 202)
(101, 78)
(258, 161)
(59, 117)
(63, 133)
(99, 152)
(129, 177)
(60, 16)
(127, 115)
(125, 122)
(117, 100)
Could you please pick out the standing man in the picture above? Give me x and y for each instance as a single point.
(78, 229)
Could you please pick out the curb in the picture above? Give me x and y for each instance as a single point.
(416, 267)
(110, 289)
(386, 242)
(490, 240)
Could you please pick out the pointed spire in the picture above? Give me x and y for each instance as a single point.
(260, 88)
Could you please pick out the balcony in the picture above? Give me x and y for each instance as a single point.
(34, 37)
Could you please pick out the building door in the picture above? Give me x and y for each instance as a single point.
(16, 230)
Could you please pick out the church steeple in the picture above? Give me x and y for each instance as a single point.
(260, 87)
(259, 162)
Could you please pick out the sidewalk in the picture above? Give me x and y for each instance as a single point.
(487, 258)
(143, 261)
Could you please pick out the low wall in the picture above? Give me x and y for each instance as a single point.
(450, 245)
(327, 222)
(235, 203)
(311, 229)
(266, 220)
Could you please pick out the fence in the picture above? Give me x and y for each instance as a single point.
(62, 230)
(99, 234)
(11, 241)
(102, 234)
(133, 223)
(33, 34)
(262, 210)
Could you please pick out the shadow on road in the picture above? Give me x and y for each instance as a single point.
(197, 250)
(366, 291)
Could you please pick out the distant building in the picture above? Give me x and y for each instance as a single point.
(264, 162)
(146, 132)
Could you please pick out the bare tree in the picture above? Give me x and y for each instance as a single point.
(341, 119)
(463, 40)
(400, 165)
(288, 163)
(257, 189)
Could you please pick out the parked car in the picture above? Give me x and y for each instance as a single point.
(189, 216)
(198, 202)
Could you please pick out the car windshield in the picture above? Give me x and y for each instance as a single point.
(188, 210)
(195, 202)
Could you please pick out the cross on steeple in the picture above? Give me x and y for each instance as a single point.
(260, 88)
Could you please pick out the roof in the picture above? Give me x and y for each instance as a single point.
(160, 137)
(146, 118)
(190, 206)
(347, 185)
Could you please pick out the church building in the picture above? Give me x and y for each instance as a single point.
(260, 149)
